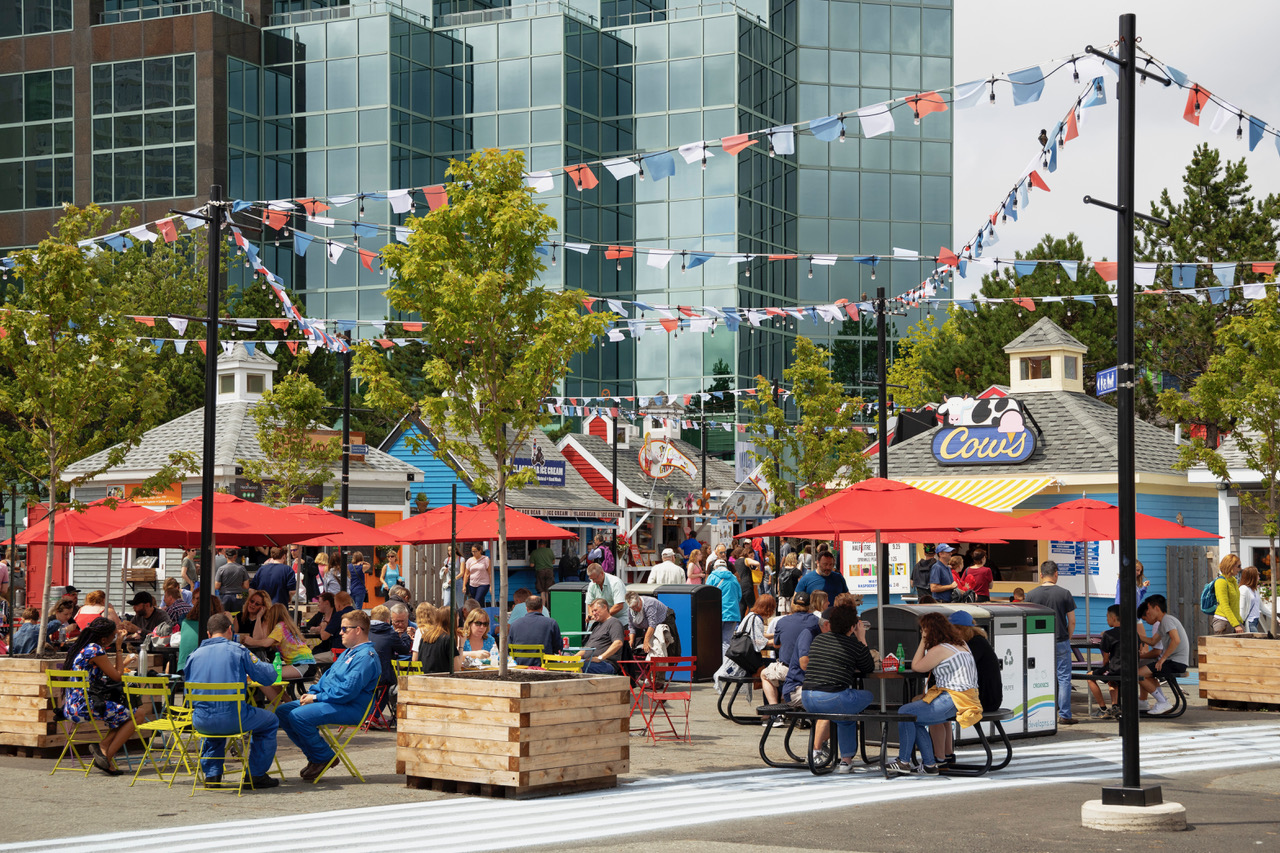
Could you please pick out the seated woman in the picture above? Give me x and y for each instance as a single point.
(252, 626)
(954, 694)
(189, 641)
(106, 699)
(286, 638)
(95, 605)
(990, 683)
(433, 646)
(474, 640)
(330, 578)
(837, 660)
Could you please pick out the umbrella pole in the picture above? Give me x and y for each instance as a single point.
(453, 581)
(881, 593)
(1088, 625)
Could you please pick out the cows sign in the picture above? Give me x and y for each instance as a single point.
(983, 432)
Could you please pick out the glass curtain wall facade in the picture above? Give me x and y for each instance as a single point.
(320, 98)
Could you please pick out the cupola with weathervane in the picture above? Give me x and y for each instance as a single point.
(1045, 358)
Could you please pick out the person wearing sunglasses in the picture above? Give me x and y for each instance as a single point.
(475, 642)
(340, 697)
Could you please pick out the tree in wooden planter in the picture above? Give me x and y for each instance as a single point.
(500, 341)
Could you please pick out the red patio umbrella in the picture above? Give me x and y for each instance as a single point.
(235, 522)
(475, 524)
(1088, 520)
(346, 530)
(71, 527)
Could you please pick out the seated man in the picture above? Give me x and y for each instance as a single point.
(519, 605)
(146, 616)
(219, 660)
(535, 628)
(400, 621)
(1173, 659)
(388, 644)
(340, 697)
(604, 644)
(781, 677)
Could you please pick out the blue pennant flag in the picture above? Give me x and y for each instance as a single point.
(1027, 85)
(1256, 126)
(962, 268)
(1084, 297)
(252, 251)
(158, 343)
(1010, 210)
(731, 319)
(239, 205)
(1097, 94)
(1053, 156)
(1226, 274)
(661, 166)
(301, 240)
(1069, 267)
(1175, 75)
(1184, 275)
(346, 325)
(827, 129)
(1021, 268)
(697, 259)
(977, 247)
(249, 347)
(118, 242)
(813, 315)
(643, 306)
(1217, 295)
(364, 229)
(541, 249)
(966, 305)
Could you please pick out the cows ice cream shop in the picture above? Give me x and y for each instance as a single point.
(1041, 441)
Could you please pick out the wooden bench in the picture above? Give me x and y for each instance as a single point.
(793, 717)
(1179, 701)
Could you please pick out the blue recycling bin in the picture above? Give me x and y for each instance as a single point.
(697, 610)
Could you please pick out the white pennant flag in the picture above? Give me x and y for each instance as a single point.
(340, 200)
(825, 260)
(1144, 275)
(180, 345)
(1226, 112)
(179, 324)
(540, 182)
(401, 201)
(326, 221)
(142, 233)
(694, 151)
(1257, 290)
(271, 346)
(622, 167)
(580, 248)
(701, 324)
(876, 120)
(659, 258)
(616, 307)
(313, 345)
(402, 233)
(616, 335)
(228, 346)
(335, 252)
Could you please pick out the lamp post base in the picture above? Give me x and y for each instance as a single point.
(1142, 796)
(1159, 817)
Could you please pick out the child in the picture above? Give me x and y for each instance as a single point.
(1019, 594)
(1111, 655)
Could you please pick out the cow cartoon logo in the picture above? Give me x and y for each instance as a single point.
(983, 432)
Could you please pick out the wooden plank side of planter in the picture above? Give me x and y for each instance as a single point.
(8, 727)
(26, 715)
(515, 763)
(449, 728)
(550, 746)
(23, 677)
(469, 685)
(432, 770)
(1239, 669)
(511, 705)
(34, 740)
(21, 703)
(514, 719)
(570, 774)
(28, 665)
(39, 690)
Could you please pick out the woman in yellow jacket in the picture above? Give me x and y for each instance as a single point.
(1226, 619)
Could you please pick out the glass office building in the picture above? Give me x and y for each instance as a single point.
(148, 103)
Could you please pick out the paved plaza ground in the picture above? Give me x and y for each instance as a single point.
(709, 796)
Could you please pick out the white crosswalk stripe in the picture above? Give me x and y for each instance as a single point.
(452, 824)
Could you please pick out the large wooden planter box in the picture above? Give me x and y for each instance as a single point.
(513, 739)
(1240, 669)
(27, 726)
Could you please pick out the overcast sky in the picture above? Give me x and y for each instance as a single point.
(1228, 47)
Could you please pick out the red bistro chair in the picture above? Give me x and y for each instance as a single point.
(673, 704)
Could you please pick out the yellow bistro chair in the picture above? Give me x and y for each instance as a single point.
(406, 667)
(221, 691)
(167, 734)
(562, 663)
(338, 737)
(60, 680)
(527, 651)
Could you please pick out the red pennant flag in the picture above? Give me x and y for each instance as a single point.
(993, 218)
(204, 347)
(280, 323)
(582, 176)
(775, 312)
(146, 321)
(687, 398)
(277, 218)
(311, 206)
(1038, 182)
(366, 258)
(167, 229)
(751, 391)
(687, 311)
(617, 252)
(1264, 269)
(436, 197)
(412, 327)
(670, 325)
(925, 103)
(629, 399)
(588, 303)
(1029, 304)
(293, 346)
(734, 144)
(851, 310)
(948, 257)
(240, 241)
(742, 427)
(783, 257)
(1196, 100)
(1106, 269)
(1073, 130)
(384, 343)
(613, 412)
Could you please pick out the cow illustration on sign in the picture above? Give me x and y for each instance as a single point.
(1003, 413)
(659, 457)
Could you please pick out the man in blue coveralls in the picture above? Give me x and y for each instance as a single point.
(340, 697)
(221, 661)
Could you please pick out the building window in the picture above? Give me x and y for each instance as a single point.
(28, 17)
(1069, 367)
(37, 139)
(144, 129)
(227, 383)
(256, 383)
(1037, 368)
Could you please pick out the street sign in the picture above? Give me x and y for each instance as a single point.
(1107, 381)
(359, 449)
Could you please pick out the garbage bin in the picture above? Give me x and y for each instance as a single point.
(697, 610)
(1022, 636)
(566, 603)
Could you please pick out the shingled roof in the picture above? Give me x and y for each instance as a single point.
(1079, 437)
(1045, 334)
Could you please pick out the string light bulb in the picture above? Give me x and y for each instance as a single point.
(772, 152)
(619, 264)
(842, 128)
(640, 165)
(1197, 107)
(915, 109)
(1075, 72)
(704, 159)
(553, 254)
(682, 258)
(873, 272)
(992, 99)
(1240, 127)
(811, 268)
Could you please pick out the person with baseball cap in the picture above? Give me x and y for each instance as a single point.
(941, 581)
(146, 616)
(668, 571)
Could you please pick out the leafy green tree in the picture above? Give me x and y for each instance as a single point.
(500, 342)
(972, 358)
(1219, 219)
(296, 460)
(1241, 386)
(76, 381)
(818, 445)
(909, 376)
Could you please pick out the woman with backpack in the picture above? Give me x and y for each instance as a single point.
(1226, 591)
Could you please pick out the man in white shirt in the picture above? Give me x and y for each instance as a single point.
(667, 571)
(611, 589)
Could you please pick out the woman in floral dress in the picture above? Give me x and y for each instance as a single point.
(106, 700)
